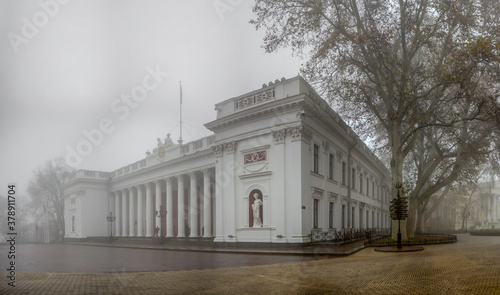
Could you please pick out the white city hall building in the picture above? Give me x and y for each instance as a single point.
(280, 164)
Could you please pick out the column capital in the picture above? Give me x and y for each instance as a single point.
(208, 171)
(157, 181)
(180, 177)
(147, 185)
(168, 180)
(192, 174)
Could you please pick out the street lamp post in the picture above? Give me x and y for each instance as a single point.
(110, 218)
(399, 212)
(161, 214)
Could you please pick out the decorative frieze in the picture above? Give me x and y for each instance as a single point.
(301, 133)
(198, 144)
(326, 146)
(254, 99)
(218, 150)
(210, 140)
(185, 149)
(279, 136)
(230, 147)
(255, 157)
(339, 156)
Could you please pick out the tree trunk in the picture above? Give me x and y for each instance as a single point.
(420, 224)
(413, 217)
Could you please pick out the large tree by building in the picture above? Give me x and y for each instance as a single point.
(47, 194)
(394, 67)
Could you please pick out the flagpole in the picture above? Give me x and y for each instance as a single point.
(180, 111)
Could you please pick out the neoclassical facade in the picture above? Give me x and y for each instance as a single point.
(279, 164)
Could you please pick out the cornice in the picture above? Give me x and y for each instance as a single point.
(257, 112)
(161, 165)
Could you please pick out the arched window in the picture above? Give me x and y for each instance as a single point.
(255, 203)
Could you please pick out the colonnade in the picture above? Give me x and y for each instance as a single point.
(138, 208)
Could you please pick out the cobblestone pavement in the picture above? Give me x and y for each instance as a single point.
(469, 266)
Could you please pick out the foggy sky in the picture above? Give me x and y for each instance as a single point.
(71, 72)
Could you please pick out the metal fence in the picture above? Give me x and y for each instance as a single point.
(420, 239)
(346, 235)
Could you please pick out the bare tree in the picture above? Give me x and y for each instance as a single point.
(46, 190)
(394, 66)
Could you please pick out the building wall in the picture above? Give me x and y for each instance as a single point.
(86, 210)
(263, 143)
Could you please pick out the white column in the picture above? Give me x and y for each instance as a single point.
(157, 206)
(494, 209)
(193, 206)
(117, 213)
(170, 210)
(124, 213)
(207, 203)
(149, 211)
(219, 229)
(140, 210)
(131, 212)
(180, 207)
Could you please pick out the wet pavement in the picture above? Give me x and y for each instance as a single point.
(94, 259)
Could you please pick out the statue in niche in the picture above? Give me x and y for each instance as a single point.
(257, 221)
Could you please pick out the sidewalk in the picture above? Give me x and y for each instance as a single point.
(315, 250)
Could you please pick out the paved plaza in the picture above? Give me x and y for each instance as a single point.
(470, 266)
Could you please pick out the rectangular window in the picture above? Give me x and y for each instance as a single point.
(367, 219)
(367, 187)
(315, 213)
(343, 173)
(330, 167)
(330, 215)
(360, 218)
(361, 183)
(373, 219)
(316, 158)
(353, 178)
(352, 217)
(343, 216)
(373, 189)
